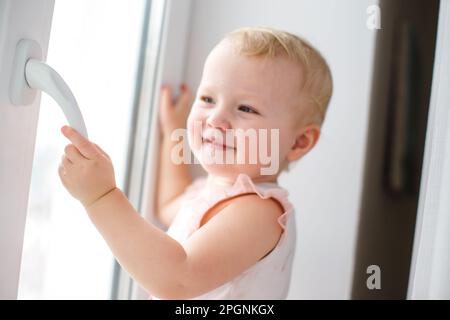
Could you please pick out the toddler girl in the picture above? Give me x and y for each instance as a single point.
(231, 234)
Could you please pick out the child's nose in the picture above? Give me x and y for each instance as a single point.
(218, 119)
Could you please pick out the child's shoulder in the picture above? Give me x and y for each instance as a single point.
(250, 200)
(262, 193)
(252, 228)
(247, 204)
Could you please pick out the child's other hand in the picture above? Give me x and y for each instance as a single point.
(173, 114)
(86, 171)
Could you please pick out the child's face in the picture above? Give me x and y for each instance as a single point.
(240, 92)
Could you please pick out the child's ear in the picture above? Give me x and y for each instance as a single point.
(305, 140)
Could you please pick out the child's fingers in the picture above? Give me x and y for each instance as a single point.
(73, 154)
(66, 162)
(64, 157)
(86, 148)
(61, 170)
(102, 151)
(185, 97)
(166, 98)
(166, 106)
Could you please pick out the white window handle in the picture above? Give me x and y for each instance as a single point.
(30, 74)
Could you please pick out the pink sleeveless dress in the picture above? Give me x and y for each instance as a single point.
(270, 277)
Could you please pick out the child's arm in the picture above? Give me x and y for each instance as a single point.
(232, 241)
(173, 178)
(146, 252)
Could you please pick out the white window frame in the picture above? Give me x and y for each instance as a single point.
(430, 265)
(163, 63)
(18, 125)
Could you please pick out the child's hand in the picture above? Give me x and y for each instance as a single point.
(174, 114)
(85, 170)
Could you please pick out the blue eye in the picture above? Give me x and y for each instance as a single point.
(207, 99)
(247, 109)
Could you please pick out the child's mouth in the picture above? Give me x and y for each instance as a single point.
(216, 145)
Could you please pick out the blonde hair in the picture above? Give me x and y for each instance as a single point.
(268, 42)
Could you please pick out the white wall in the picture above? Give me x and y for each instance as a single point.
(325, 186)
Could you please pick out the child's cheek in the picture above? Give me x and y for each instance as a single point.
(194, 131)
